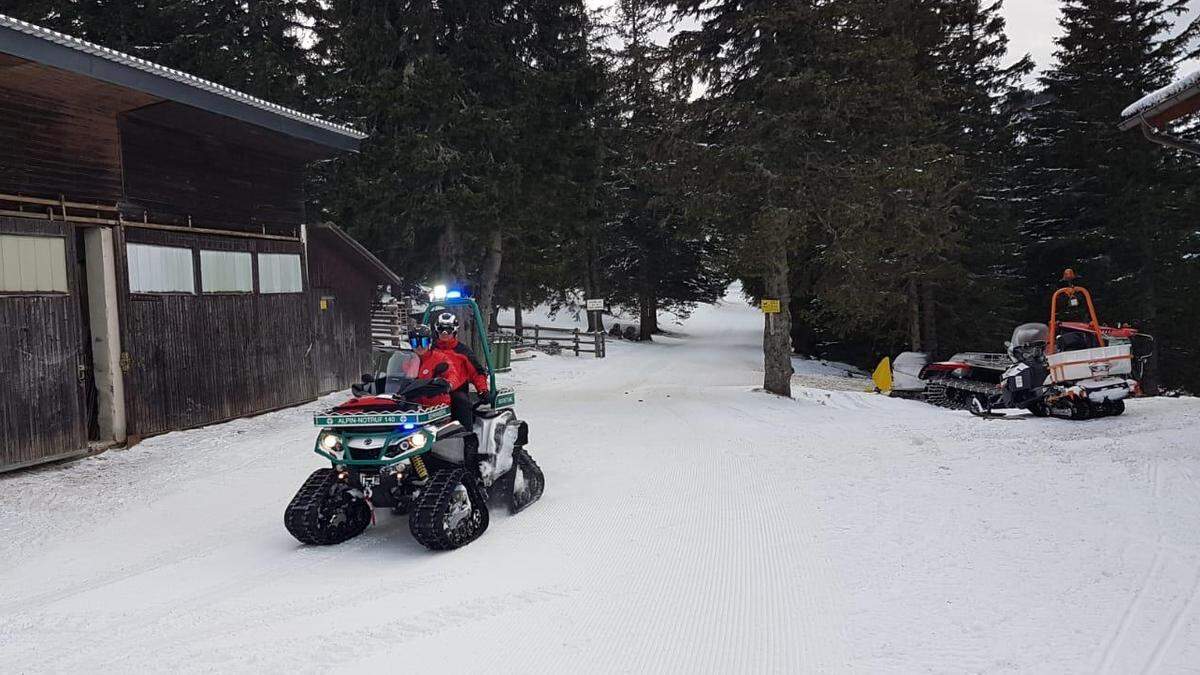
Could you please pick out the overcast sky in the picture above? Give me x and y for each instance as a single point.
(1033, 25)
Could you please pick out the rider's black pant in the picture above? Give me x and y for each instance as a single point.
(461, 409)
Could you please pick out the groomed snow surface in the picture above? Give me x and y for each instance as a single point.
(690, 524)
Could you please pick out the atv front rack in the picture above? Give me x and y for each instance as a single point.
(505, 398)
(377, 419)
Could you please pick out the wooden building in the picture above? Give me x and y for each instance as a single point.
(156, 268)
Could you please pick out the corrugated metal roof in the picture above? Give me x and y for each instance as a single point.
(158, 71)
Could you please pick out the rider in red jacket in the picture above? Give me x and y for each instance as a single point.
(447, 342)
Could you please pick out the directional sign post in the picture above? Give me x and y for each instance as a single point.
(595, 306)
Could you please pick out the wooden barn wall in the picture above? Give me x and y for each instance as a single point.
(342, 352)
(216, 180)
(204, 358)
(59, 133)
(43, 403)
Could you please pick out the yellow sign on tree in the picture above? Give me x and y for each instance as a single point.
(770, 306)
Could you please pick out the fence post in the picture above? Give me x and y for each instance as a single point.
(576, 345)
(600, 343)
(537, 335)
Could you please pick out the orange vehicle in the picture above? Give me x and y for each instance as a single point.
(1077, 369)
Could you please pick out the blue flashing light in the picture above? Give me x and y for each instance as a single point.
(454, 295)
(408, 427)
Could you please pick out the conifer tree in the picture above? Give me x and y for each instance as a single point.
(656, 256)
(1117, 209)
(435, 85)
(481, 142)
(764, 133)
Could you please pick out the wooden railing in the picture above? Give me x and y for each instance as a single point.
(80, 213)
(571, 339)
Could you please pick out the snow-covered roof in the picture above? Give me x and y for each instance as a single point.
(42, 45)
(1166, 102)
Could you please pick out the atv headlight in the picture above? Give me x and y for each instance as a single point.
(329, 441)
(408, 444)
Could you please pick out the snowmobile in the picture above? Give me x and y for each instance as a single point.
(387, 451)
(1073, 370)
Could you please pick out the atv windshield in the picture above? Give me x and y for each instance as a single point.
(394, 370)
(403, 364)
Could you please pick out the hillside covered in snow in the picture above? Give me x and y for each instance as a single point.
(690, 523)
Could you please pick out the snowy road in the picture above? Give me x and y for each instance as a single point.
(689, 524)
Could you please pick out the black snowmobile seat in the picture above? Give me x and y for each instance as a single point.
(1076, 340)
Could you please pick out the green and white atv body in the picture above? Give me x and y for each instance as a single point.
(387, 451)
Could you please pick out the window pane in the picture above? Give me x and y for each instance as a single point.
(279, 273)
(33, 264)
(226, 272)
(160, 269)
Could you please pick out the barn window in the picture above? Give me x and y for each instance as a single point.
(32, 264)
(279, 273)
(226, 272)
(160, 269)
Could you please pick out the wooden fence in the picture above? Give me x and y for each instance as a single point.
(390, 324)
(570, 339)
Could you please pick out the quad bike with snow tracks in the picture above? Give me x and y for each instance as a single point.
(386, 451)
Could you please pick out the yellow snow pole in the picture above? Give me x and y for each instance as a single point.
(882, 377)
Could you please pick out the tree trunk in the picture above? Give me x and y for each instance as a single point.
(914, 316)
(929, 318)
(777, 328)
(592, 285)
(518, 312)
(648, 316)
(450, 256)
(489, 276)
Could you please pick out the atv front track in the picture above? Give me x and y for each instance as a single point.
(324, 512)
(430, 516)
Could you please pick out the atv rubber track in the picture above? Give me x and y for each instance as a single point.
(533, 477)
(310, 515)
(427, 519)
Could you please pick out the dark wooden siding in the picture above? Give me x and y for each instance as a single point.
(204, 358)
(58, 133)
(343, 328)
(217, 180)
(43, 411)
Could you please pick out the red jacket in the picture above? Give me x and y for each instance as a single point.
(453, 374)
(473, 371)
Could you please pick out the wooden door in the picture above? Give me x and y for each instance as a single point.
(44, 354)
(336, 354)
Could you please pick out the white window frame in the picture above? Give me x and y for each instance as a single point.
(274, 278)
(226, 271)
(148, 276)
(33, 264)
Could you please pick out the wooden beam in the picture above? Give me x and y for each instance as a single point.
(206, 230)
